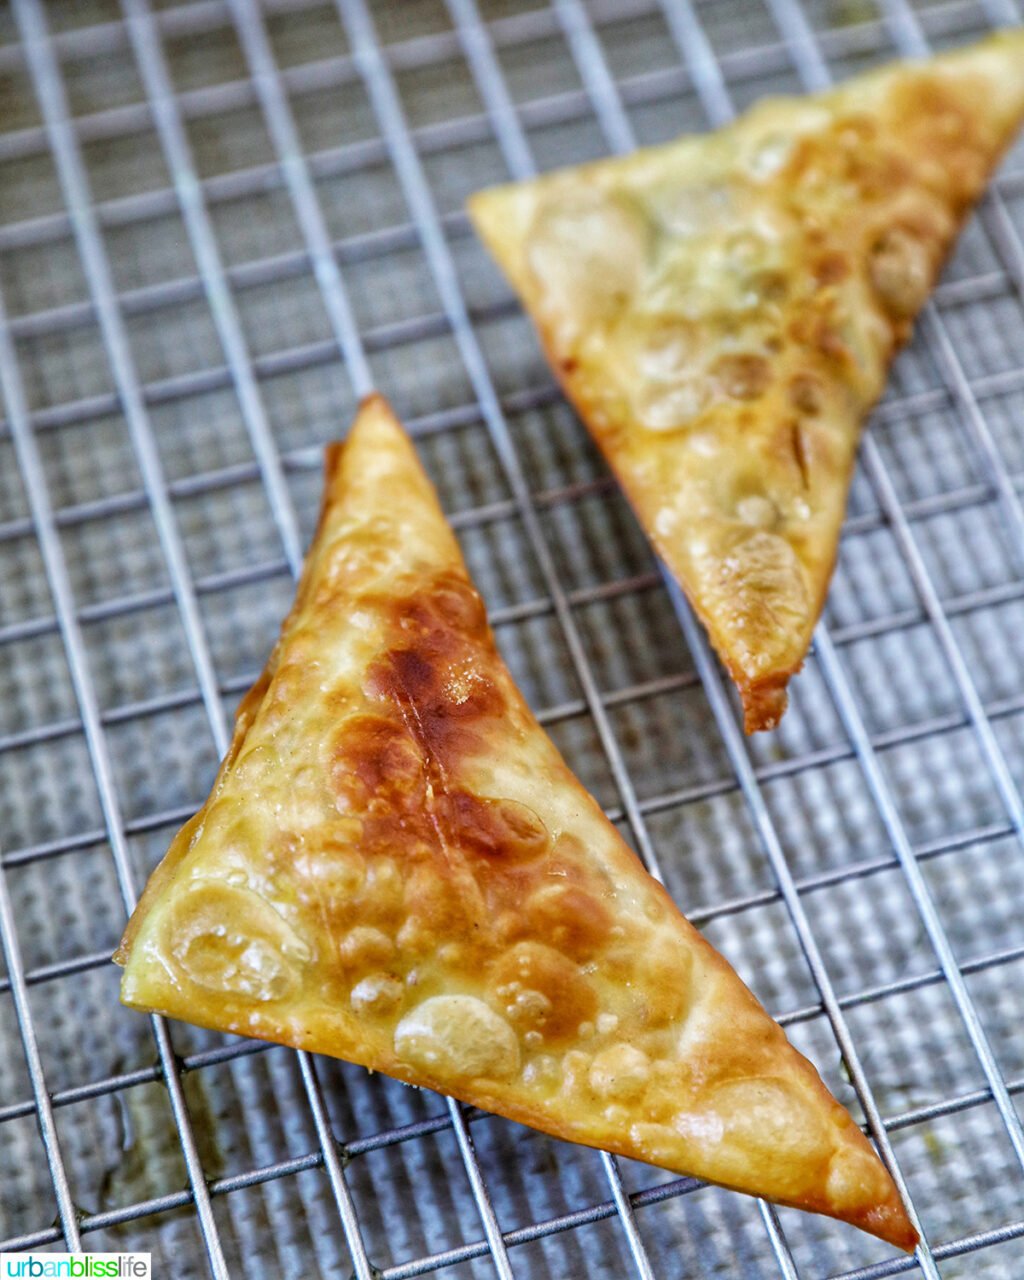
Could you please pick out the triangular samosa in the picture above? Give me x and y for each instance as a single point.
(395, 866)
(722, 311)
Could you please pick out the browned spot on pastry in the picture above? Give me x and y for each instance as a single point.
(932, 116)
(401, 769)
(532, 969)
(820, 326)
(851, 155)
(796, 436)
(493, 827)
(435, 678)
(570, 917)
(744, 377)
(878, 173)
(854, 132)
(444, 899)
(376, 756)
(449, 604)
(770, 286)
(806, 393)
(831, 268)
(900, 273)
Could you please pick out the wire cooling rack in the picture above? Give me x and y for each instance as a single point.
(220, 224)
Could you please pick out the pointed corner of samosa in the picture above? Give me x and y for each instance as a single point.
(375, 424)
(889, 1220)
(1002, 52)
(764, 703)
(484, 209)
(863, 1192)
(478, 206)
(501, 218)
(893, 1224)
(372, 418)
(760, 659)
(998, 61)
(375, 443)
(1008, 53)
(376, 476)
(1010, 42)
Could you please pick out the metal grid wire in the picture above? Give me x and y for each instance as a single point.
(220, 225)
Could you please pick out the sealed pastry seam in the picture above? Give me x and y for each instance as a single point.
(723, 310)
(395, 866)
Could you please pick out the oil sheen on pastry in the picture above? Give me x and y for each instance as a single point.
(723, 311)
(396, 867)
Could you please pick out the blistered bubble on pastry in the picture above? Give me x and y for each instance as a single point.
(621, 1071)
(578, 283)
(758, 511)
(902, 269)
(395, 866)
(706, 303)
(221, 936)
(673, 406)
(764, 1115)
(458, 1037)
(849, 1182)
(364, 945)
(663, 352)
(379, 993)
(753, 578)
(743, 376)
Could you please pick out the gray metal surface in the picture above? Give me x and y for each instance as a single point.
(220, 224)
